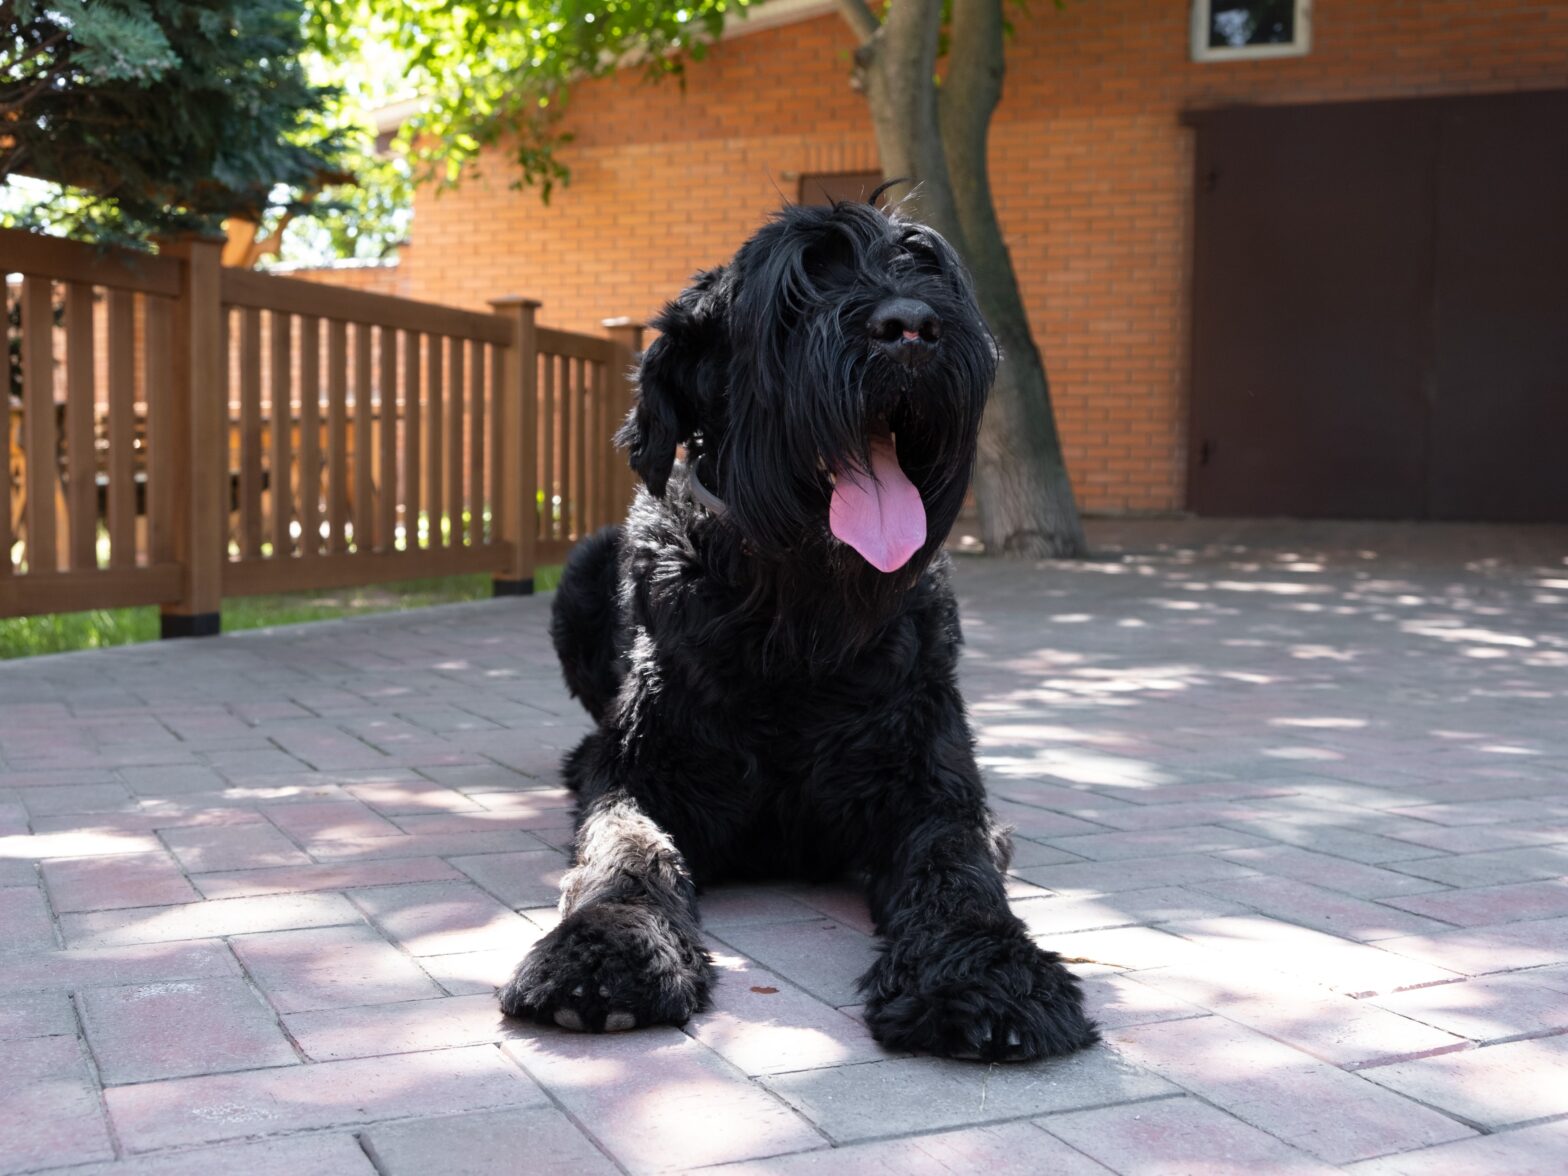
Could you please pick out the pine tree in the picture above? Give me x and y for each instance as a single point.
(158, 115)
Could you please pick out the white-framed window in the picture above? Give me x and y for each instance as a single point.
(1241, 30)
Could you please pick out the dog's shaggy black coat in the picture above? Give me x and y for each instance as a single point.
(767, 702)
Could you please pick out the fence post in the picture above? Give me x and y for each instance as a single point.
(626, 335)
(198, 442)
(517, 423)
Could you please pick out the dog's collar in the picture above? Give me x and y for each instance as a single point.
(704, 497)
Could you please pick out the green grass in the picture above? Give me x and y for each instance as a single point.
(63, 632)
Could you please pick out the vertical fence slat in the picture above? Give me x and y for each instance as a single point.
(81, 456)
(580, 454)
(157, 387)
(251, 469)
(309, 436)
(495, 490)
(454, 445)
(547, 438)
(386, 435)
(606, 443)
(598, 447)
(38, 423)
(476, 443)
(364, 453)
(122, 428)
(411, 341)
(434, 370)
(282, 436)
(515, 420)
(337, 435)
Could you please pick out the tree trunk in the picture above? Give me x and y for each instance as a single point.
(1026, 501)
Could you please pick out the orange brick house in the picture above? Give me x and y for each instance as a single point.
(1101, 152)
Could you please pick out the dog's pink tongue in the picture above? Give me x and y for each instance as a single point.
(879, 513)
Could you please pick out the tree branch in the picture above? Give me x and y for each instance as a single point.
(860, 17)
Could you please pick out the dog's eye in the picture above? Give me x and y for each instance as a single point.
(829, 258)
(924, 257)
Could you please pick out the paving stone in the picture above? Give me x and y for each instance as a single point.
(1335, 1116)
(1115, 1001)
(35, 1014)
(445, 918)
(244, 847)
(179, 1027)
(330, 967)
(1488, 949)
(1165, 904)
(822, 956)
(128, 964)
(1333, 873)
(1525, 1151)
(46, 844)
(172, 779)
(1335, 1028)
(1178, 869)
(1489, 1008)
(25, 925)
(1178, 1135)
(49, 1109)
(301, 879)
(331, 820)
(762, 1024)
(843, 903)
(393, 798)
(13, 818)
(331, 1034)
(202, 920)
(424, 845)
(1490, 905)
(1355, 969)
(1109, 847)
(544, 1141)
(1483, 838)
(1006, 1149)
(528, 879)
(1354, 844)
(112, 883)
(1493, 868)
(1307, 905)
(183, 1111)
(466, 973)
(309, 1155)
(923, 1094)
(1493, 1087)
(76, 798)
(659, 1101)
(484, 777)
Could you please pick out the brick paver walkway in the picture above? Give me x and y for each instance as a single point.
(1302, 804)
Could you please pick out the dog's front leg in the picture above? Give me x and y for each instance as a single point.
(628, 951)
(959, 974)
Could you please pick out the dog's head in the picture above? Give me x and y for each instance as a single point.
(828, 385)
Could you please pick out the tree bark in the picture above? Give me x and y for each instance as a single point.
(1026, 502)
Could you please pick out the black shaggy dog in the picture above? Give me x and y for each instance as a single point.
(769, 646)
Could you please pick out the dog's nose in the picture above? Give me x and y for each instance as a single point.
(904, 320)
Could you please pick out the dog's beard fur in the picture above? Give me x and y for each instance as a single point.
(766, 371)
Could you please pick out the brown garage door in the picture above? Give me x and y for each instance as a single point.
(1380, 310)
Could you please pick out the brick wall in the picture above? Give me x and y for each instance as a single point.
(1091, 168)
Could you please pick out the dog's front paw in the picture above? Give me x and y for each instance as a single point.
(611, 966)
(989, 995)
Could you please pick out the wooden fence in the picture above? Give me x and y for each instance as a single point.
(179, 432)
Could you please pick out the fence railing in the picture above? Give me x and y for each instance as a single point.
(180, 432)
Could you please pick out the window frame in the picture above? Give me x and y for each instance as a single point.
(1203, 52)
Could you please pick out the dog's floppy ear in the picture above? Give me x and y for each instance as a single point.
(681, 379)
